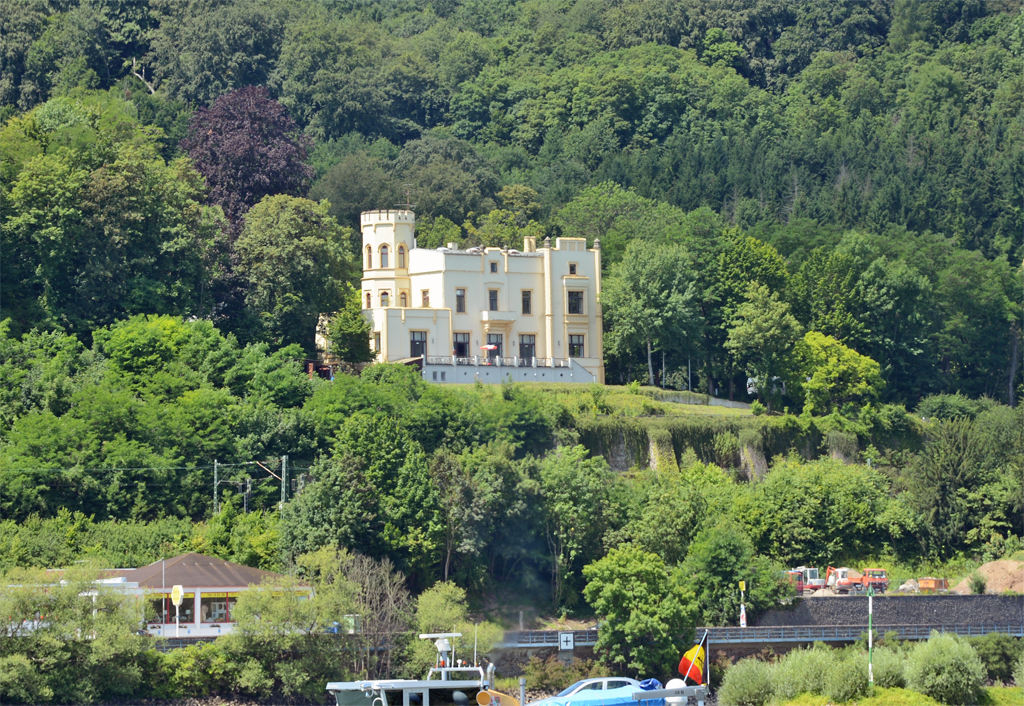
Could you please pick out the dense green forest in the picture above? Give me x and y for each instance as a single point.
(815, 206)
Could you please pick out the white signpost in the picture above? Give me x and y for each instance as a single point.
(177, 594)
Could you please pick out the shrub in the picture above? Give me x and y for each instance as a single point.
(945, 668)
(757, 408)
(999, 653)
(978, 583)
(802, 671)
(887, 666)
(847, 679)
(1018, 673)
(552, 675)
(747, 683)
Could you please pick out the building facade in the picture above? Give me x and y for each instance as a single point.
(483, 313)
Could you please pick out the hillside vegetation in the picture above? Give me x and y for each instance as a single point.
(816, 208)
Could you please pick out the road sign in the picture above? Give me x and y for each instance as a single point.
(743, 585)
(177, 594)
(566, 641)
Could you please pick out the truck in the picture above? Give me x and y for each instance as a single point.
(845, 580)
(812, 581)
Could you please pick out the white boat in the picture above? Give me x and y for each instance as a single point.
(446, 684)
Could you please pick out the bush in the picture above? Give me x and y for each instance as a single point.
(757, 408)
(978, 583)
(999, 653)
(847, 679)
(747, 683)
(887, 666)
(945, 668)
(552, 675)
(802, 671)
(1018, 673)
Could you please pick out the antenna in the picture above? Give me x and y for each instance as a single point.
(408, 205)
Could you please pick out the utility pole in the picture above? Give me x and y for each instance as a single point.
(216, 509)
(871, 596)
(284, 479)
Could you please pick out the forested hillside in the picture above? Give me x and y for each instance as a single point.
(815, 206)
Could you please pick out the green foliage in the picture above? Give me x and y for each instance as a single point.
(757, 409)
(644, 610)
(999, 653)
(747, 683)
(945, 668)
(720, 556)
(553, 675)
(847, 679)
(296, 259)
(762, 338)
(802, 671)
(1018, 673)
(349, 331)
(84, 651)
(832, 375)
(887, 668)
(977, 583)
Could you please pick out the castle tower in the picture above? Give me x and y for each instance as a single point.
(388, 239)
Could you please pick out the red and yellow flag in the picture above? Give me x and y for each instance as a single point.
(691, 666)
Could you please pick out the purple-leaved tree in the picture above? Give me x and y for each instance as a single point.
(247, 148)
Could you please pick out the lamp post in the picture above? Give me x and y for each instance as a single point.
(871, 596)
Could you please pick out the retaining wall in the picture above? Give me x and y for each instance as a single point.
(899, 610)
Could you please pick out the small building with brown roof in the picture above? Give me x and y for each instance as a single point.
(211, 588)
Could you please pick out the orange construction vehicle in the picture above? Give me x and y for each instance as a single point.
(845, 580)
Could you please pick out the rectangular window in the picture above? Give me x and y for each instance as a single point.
(494, 267)
(460, 301)
(435, 376)
(460, 345)
(576, 347)
(442, 376)
(163, 609)
(425, 298)
(572, 268)
(417, 343)
(527, 346)
(494, 339)
(376, 342)
(216, 607)
(575, 302)
(527, 301)
(492, 299)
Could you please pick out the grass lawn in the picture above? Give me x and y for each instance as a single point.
(992, 696)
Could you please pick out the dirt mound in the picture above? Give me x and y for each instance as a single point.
(1000, 576)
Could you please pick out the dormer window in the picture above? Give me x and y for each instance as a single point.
(401, 256)
(384, 256)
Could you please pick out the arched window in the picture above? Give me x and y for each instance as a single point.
(402, 299)
(401, 256)
(384, 256)
(367, 300)
(385, 299)
(369, 261)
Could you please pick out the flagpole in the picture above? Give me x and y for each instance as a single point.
(699, 644)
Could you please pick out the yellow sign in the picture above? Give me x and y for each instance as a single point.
(219, 595)
(177, 593)
(743, 585)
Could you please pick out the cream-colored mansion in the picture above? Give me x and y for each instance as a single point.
(484, 314)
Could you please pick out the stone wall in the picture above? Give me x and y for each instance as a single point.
(900, 610)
